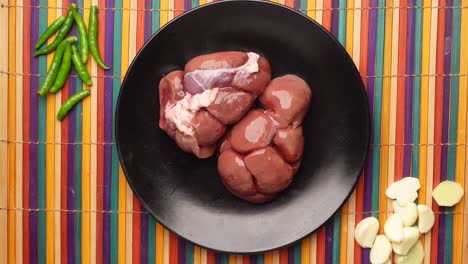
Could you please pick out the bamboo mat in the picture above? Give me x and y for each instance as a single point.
(64, 198)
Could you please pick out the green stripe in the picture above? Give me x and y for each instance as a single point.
(41, 181)
(194, 3)
(189, 256)
(304, 6)
(115, 161)
(224, 258)
(297, 252)
(151, 239)
(454, 86)
(337, 219)
(378, 107)
(417, 90)
(156, 13)
(260, 259)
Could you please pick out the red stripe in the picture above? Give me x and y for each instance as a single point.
(210, 258)
(321, 245)
(100, 139)
(439, 94)
(246, 259)
(289, 3)
(358, 217)
(283, 256)
(26, 131)
(178, 6)
(326, 18)
(400, 115)
(136, 231)
(173, 249)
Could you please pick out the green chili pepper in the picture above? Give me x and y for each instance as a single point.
(63, 71)
(80, 67)
(71, 101)
(83, 36)
(67, 25)
(55, 65)
(50, 31)
(93, 37)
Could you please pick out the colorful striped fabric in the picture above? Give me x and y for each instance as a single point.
(63, 195)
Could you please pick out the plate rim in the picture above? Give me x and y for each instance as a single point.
(355, 71)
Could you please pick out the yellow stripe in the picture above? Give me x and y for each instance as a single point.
(159, 243)
(431, 117)
(311, 8)
(86, 165)
(11, 134)
(305, 250)
(124, 238)
(19, 135)
(268, 258)
(459, 178)
(232, 259)
(57, 168)
(164, 13)
(461, 149)
(313, 248)
(196, 255)
(50, 155)
(349, 27)
(3, 135)
(200, 2)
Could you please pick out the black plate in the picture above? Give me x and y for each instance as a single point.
(185, 193)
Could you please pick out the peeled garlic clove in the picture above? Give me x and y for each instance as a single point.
(381, 250)
(405, 185)
(393, 228)
(448, 193)
(426, 218)
(414, 256)
(366, 231)
(408, 213)
(410, 236)
(404, 198)
(392, 190)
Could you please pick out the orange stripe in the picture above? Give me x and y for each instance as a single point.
(364, 36)
(401, 93)
(326, 19)
(359, 215)
(289, 3)
(438, 123)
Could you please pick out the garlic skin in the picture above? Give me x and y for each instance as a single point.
(408, 213)
(426, 218)
(381, 250)
(410, 237)
(448, 193)
(366, 231)
(393, 228)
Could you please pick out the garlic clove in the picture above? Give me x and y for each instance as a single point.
(405, 197)
(366, 231)
(408, 213)
(404, 190)
(448, 193)
(414, 256)
(393, 228)
(392, 190)
(381, 250)
(426, 218)
(410, 237)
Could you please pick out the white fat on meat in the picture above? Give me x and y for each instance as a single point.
(183, 111)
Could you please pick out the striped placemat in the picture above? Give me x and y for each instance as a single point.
(64, 198)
